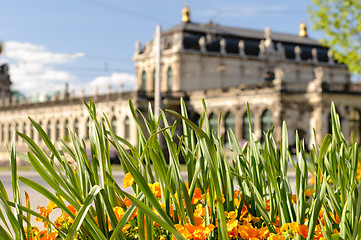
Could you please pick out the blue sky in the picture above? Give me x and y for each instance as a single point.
(89, 43)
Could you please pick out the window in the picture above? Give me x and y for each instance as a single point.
(266, 123)
(228, 124)
(66, 131)
(169, 79)
(144, 81)
(48, 129)
(269, 76)
(87, 129)
(9, 133)
(31, 131)
(213, 123)
(355, 126)
(16, 129)
(24, 128)
(126, 128)
(2, 133)
(76, 127)
(153, 76)
(246, 125)
(39, 137)
(114, 124)
(57, 129)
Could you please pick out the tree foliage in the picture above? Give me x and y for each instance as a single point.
(340, 20)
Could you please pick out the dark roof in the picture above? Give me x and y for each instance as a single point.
(232, 32)
(213, 33)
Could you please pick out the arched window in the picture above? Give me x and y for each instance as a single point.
(66, 131)
(87, 129)
(76, 127)
(126, 128)
(213, 122)
(16, 129)
(355, 125)
(39, 137)
(169, 79)
(228, 124)
(31, 131)
(144, 81)
(24, 128)
(114, 124)
(48, 129)
(266, 123)
(246, 124)
(2, 133)
(57, 129)
(9, 133)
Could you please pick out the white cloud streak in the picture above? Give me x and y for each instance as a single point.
(32, 67)
(115, 80)
(33, 70)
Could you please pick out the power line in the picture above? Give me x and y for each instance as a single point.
(106, 57)
(119, 9)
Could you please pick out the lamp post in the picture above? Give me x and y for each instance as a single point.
(157, 51)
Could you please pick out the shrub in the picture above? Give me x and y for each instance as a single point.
(246, 196)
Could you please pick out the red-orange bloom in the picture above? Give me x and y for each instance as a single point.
(197, 195)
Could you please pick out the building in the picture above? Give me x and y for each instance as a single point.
(287, 77)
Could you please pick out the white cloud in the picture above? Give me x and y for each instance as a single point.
(32, 70)
(114, 80)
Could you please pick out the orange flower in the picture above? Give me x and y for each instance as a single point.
(309, 191)
(301, 230)
(27, 199)
(155, 189)
(276, 237)
(128, 180)
(190, 231)
(127, 202)
(119, 212)
(197, 195)
(294, 198)
(45, 211)
(48, 236)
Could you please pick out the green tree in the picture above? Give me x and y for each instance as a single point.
(340, 20)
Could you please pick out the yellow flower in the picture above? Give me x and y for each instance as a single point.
(128, 180)
(155, 189)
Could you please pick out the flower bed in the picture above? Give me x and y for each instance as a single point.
(246, 197)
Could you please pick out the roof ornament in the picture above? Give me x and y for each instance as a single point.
(202, 44)
(330, 57)
(241, 48)
(298, 52)
(268, 41)
(1, 47)
(314, 55)
(223, 44)
(266, 47)
(186, 14)
(303, 29)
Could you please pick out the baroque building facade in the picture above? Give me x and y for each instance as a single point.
(283, 77)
